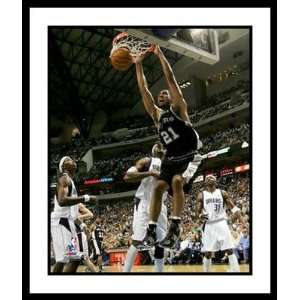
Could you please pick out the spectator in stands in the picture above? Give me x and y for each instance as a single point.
(245, 244)
(236, 242)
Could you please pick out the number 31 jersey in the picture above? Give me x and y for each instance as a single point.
(213, 204)
(177, 136)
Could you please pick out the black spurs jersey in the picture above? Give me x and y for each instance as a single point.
(98, 234)
(177, 136)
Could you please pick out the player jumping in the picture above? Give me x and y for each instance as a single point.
(181, 142)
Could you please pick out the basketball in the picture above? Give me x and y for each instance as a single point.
(121, 59)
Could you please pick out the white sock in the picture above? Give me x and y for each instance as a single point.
(234, 264)
(206, 264)
(159, 264)
(131, 254)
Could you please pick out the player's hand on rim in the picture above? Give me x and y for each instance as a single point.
(156, 50)
(139, 58)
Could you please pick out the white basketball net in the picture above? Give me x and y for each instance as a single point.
(136, 46)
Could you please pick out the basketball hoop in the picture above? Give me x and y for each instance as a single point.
(136, 46)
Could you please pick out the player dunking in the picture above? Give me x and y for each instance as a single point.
(216, 236)
(147, 171)
(181, 142)
(63, 230)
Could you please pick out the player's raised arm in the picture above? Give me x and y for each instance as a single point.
(136, 173)
(65, 200)
(234, 209)
(148, 100)
(178, 101)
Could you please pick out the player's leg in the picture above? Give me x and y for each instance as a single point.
(60, 236)
(85, 249)
(97, 253)
(71, 266)
(155, 209)
(75, 254)
(92, 263)
(159, 258)
(207, 262)
(233, 261)
(225, 239)
(162, 228)
(100, 261)
(139, 227)
(131, 255)
(210, 244)
(178, 202)
(156, 201)
(182, 174)
(87, 261)
(58, 267)
(178, 196)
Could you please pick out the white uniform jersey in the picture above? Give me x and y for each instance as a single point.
(145, 189)
(142, 200)
(213, 204)
(71, 212)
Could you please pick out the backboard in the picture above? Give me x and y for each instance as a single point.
(200, 44)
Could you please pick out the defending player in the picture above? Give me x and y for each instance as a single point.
(147, 171)
(63, 230)
(210, 205)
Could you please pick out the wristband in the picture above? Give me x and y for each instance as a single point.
(86, 198)
(82, 225)
(132, 169)
(235, 209)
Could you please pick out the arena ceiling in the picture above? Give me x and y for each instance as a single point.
(81, 77)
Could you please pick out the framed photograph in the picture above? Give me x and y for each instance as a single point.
(150, 148)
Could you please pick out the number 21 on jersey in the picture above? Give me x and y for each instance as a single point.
(169, 135)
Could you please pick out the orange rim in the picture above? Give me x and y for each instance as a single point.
(151, 49)
(120, 35)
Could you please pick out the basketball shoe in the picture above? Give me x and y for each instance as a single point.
(150, 239)
(171, 237)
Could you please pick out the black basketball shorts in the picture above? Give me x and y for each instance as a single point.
(185, 166)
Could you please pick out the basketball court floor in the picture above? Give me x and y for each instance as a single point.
(244, 268)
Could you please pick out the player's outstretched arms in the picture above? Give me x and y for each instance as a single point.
(135, 173)
(65, 200)
(148, 100)
(178, 101)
